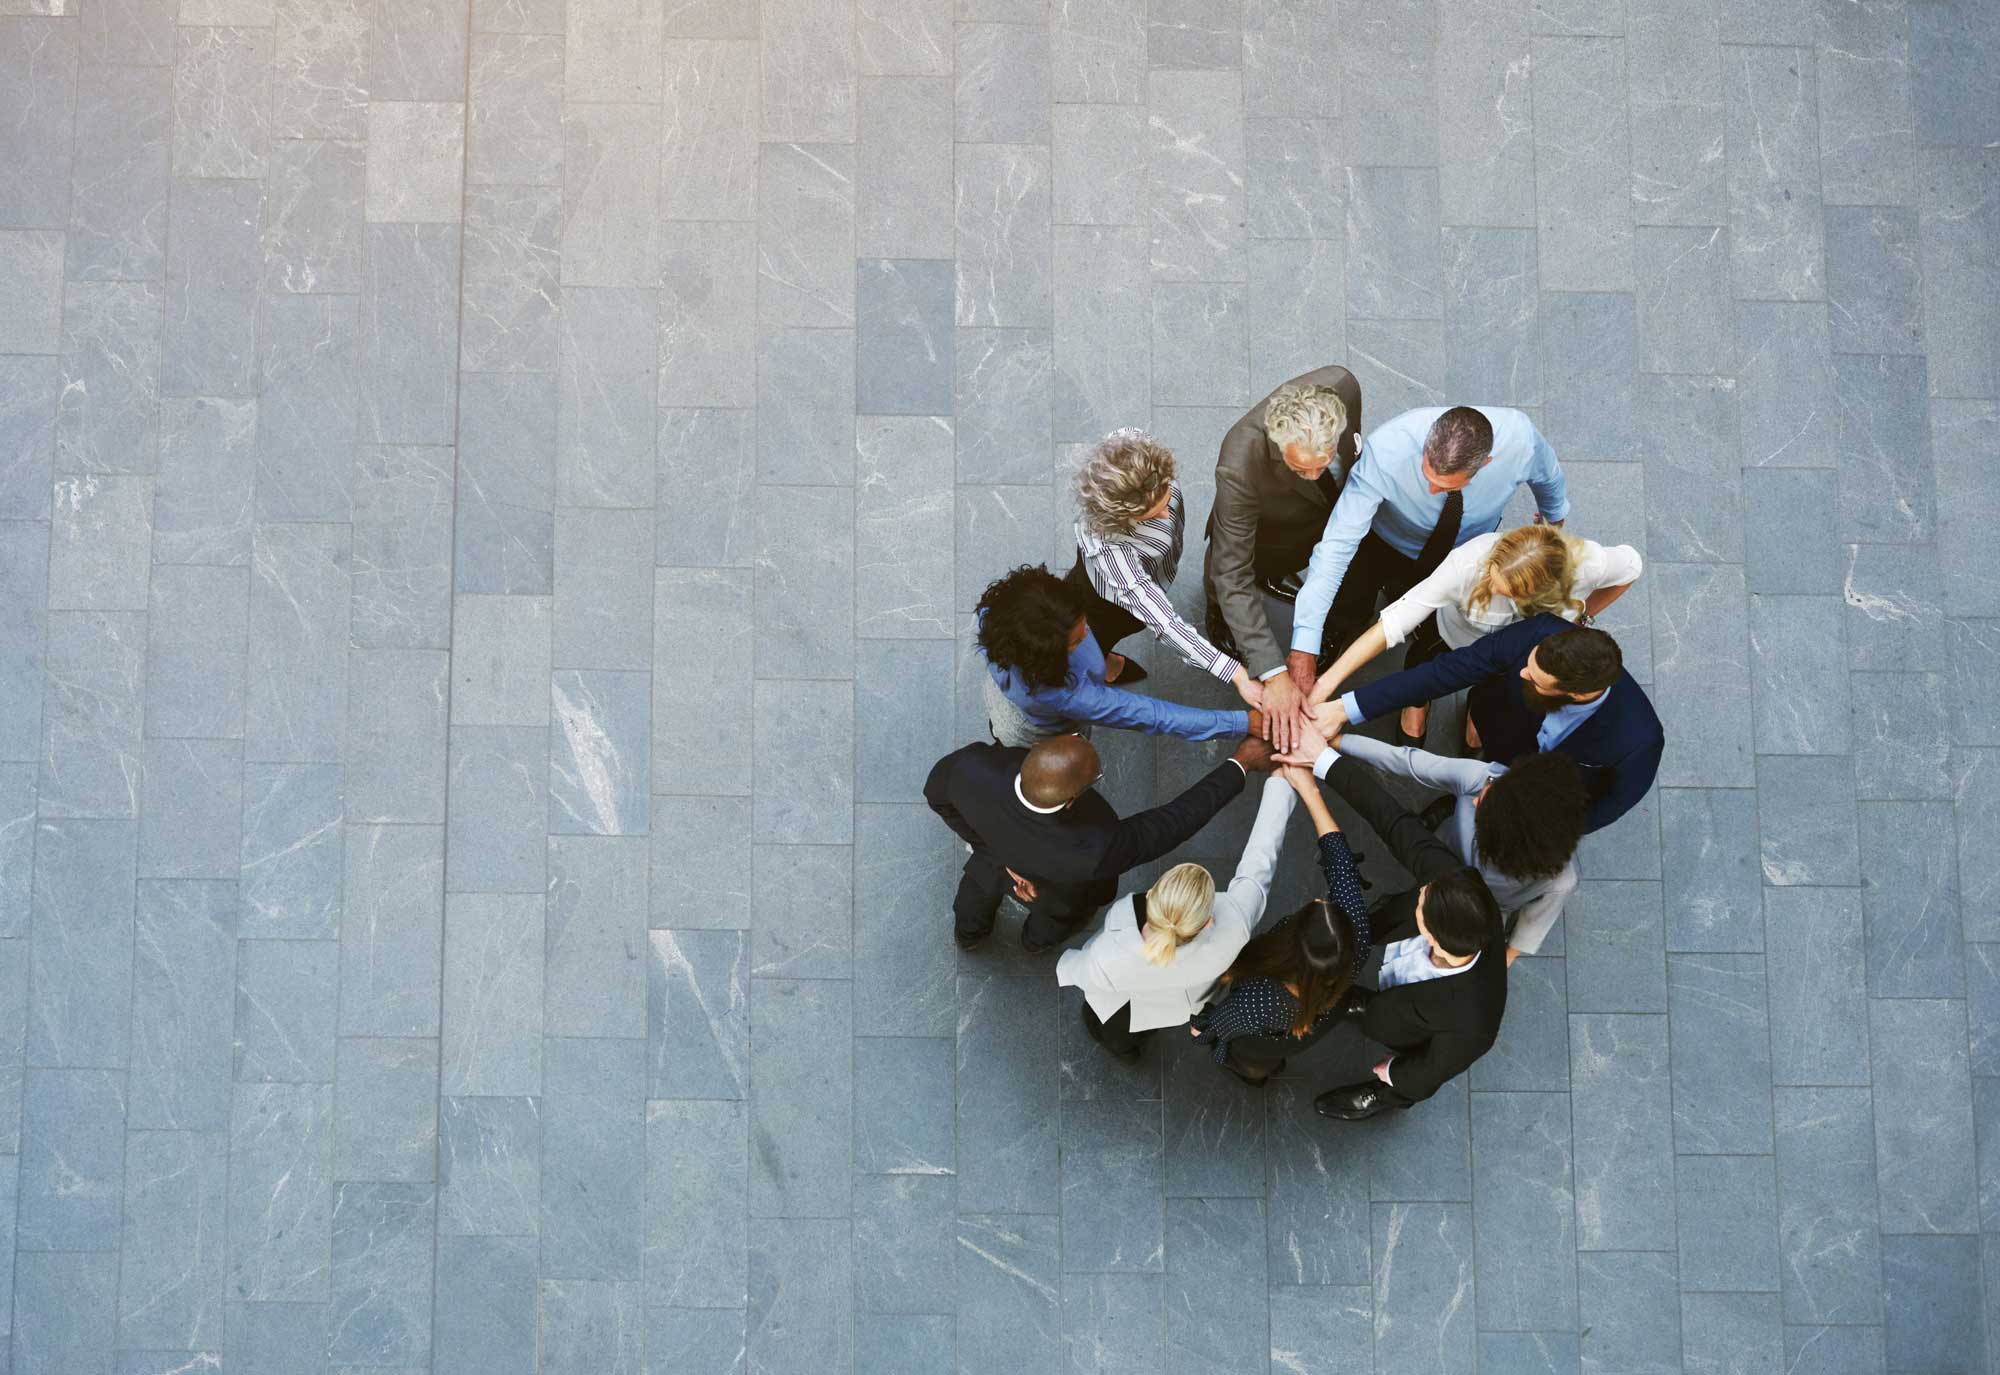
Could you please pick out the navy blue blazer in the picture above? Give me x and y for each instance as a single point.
(1618, 747)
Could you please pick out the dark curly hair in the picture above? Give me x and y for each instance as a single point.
(1528, 824)
(1024, 623)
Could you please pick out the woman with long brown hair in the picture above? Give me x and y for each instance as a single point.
(1288, 982)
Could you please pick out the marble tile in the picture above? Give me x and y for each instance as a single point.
(514, 134)
(1910, 895)
(593, 1160)
(1115, 1322)
(1201, 344)
(707, 342)
(309, 374)
(1732, 1332)
(1923, 1117)
(312, 235)
(1532, 1053)
(1728, 1211)
(611, 194)
(1098, 156)
(383, 1259)
(1874, 281)
(24, 574)
(28, 392)
(489, 1169)
(99, 538)
(994, 524)
(222, 101)
(1388, 72)
(698, 1014)
(501, 651)
(814, 805)
(1701, 667)
(903, 342)
(904, 973)
(897, 37)
(192, 805)
(71, 1166)
(1281, 55)
(1003, 272)
(486, 1314)
(118, 201)
(1784, 384)
(281, 1193)
(396, 734)
(1196, 163)
(385, 1110)
(503, 530)
(1713, 876)
(902, 518)
(1882, 446)
(319, 87)
(1529, 1353)
(600, 743)
(800, 1314)
(1613, 931)
(1521, 1166)
(1827, 1235)
(805, 406)
(80, 942)
(1931, 1298)
(66, 1310)
(607, 397)
(1294, 172)
(1003, 75)
(418, 52)
(805, 236)
(1622, 1122)
(701, 863)
(1972, 648)
(702, 717)
(1950, 81)
(707, 1339)
(416, 162)
(209, 345)
(176, 1210)
(1180, 34)
(1627, 1305)
(1423, 1268)
(1959, 224)
(1492, 323)
(903, 706)
(1583, 180)
(1976, 789)
(708, 145)
(291, 860)
(1970, 588)
(278, 1334)
(1775, 244)
(499, 809)
(703, 512)
(38, 109)
(597, 910)
(1112, 1173)
(1100, 381)
(1005, 388)
(808, 69)
(106, 416)
(1806, 812)
(1834, 1350)
(801, 1104)
(286, 995)
(1486, 150)
(804, 923)
(1009, 1293)
(1296, 298)
(1894, 616)
(696, 1182)
(513, 257)
(1802, 704)
(805, 582)
(391, 931)
(1685, 318)
(1721, 1026)
(1394, 263)
(904, 1256)
(1819, 1017)
(602, 590)
(183, 1005)
(1006, 1122)
(1317, 1197)
(1675, 76)
(407, 357)
(493, 982)
(903, 1106)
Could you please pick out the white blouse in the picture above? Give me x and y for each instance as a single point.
(1445, 591)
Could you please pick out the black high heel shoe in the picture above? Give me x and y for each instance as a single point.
(1133, 672)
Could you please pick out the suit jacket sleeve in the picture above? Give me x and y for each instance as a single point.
(1251, 884)
(1232, 554)
(937, 792)
(1500, 652)
(1460, 777)
(1630, 778)
(1413, 844)
(1150, 834)
(1416, 1076)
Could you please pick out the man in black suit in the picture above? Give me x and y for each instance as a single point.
(1034, 818)
(1442, 985)
(1539, 686)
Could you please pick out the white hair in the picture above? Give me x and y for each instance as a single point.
(1314, 418)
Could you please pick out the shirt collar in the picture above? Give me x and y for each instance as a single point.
(1040, 811)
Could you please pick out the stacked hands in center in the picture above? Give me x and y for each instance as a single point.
(1347, 548)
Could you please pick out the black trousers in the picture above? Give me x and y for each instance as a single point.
(1115, 1035)
(1055, 914)
(1108, 621)
(1377, 574)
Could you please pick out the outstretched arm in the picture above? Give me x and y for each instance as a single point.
(1150, 834)
(1104, 705)
(1460, 668)
(1415, 848)
(1463, 777)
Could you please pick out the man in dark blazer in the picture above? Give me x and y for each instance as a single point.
(1276, 480)
(1539, 686)
(1442, 985)
(1034, 819)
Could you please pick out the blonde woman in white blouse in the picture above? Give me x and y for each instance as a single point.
(1489, 583)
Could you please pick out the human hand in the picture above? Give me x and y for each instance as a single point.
(1304, 670)
(1253, 754)
(1283, 711)
(1298, 774)
(1382, 1070)
(1258, 724)
(1024, 889)
(1249, 689)
(1329, 719)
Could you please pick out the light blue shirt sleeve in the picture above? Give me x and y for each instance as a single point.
(1545, 476)
(1351, 704)
(1352, 515)
(1101, 704)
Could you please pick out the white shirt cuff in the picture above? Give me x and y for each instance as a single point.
(1352, 707)
(1267, 677)
(1324, 760)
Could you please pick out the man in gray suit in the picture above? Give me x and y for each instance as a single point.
(1276, 481)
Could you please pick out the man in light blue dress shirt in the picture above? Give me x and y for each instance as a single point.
(1426, 481)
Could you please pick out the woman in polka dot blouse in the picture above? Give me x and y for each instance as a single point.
(1288, 981)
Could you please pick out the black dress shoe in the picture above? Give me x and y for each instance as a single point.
(1435, 815)
(1256, 1083)
(1354, 1103)
(965, 942)
(1038, 947)
(1404, 738)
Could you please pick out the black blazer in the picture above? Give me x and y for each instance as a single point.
(1086, 843)
(1618, 748)
(1440, 1026)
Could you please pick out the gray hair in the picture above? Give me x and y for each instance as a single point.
(1122, 477)
(1312, 417)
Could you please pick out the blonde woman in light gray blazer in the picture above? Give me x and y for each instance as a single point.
(1158, 953)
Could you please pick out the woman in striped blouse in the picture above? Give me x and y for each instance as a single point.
(1128, 543)
(1286, 985)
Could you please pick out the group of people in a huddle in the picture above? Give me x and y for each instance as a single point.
(1313, 524)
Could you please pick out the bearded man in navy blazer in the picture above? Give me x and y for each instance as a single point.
(1538, 686)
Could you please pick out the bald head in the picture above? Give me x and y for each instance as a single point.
(1057, 769)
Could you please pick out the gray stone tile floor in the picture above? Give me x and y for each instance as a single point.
(490, 497)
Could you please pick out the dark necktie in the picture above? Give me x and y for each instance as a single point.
(1328, 484)
(1445, 537)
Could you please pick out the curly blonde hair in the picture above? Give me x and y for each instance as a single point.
(1314, 417)
(1536, 564)
(1122, 478)
(1178, 906)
